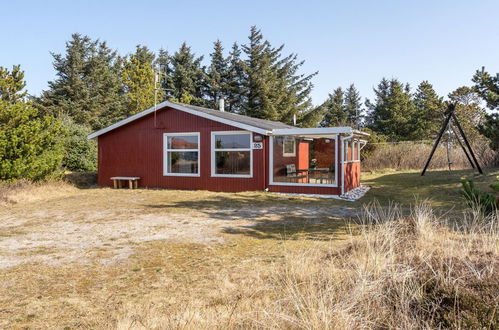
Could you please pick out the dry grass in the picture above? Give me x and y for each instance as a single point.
(26, 191)
(412, 156)
(394, 272)
(158, 259)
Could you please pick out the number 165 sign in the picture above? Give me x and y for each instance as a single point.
(257, 145)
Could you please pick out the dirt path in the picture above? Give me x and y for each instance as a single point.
(105, 226)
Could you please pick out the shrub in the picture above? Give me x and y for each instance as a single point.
(413, 155)
(483, 202)
(80, 153)
(30, 145)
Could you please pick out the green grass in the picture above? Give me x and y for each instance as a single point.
(440, 187)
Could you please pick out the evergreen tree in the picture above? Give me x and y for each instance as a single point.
(80, 152)
(88, 84)
(273, 87)
(427, 119)
(163, 63)
(217, 76)
(235, 79)
(487, 87)
(468, 110)
(30, 144)
(353, 106)
(188, 77)
(392, 111)
(11, 84)
(335, 113)
(138, 79)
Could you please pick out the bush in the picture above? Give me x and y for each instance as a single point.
(374, 141)
(80, 152)
(481, 201)
(413, 155)
(30, 145)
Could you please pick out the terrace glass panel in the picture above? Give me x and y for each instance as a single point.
(314, 160)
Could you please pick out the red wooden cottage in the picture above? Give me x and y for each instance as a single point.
(180, 146)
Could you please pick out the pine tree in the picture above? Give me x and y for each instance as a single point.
(335, 113)
(273, 87)
(188, 77)
(30, 144)
(88, 84)
(468, 110)
(217, 76)
(392, 111)
(427, 119)
(353, 106)
(487, 87)
(138, 79)
(11, 84)
(163, 64)
(235, 79)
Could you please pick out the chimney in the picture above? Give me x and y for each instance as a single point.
(294, 120)
(221, 104)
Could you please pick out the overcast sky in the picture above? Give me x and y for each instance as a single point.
(358, 42)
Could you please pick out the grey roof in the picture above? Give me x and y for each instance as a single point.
(255, 122)
(244, 122)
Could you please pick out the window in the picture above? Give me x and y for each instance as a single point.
(181, 157)
(352, 151)
(231, 154)
(289, 147)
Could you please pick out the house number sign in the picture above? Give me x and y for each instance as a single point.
(257, 145)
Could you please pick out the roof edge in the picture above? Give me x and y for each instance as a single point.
(181, 108)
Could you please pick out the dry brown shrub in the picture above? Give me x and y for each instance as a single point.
(23, 191)
(412, 156)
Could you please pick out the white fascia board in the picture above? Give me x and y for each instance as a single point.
(181, 108)
(312, 131)
(357, 132)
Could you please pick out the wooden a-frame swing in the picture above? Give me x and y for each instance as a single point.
(468, 151)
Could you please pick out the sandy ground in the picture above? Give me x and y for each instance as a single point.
(105, 226)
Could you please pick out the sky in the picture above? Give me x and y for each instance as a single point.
(358, 42)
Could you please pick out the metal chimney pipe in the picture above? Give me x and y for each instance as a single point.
(294, 120)
(221, 104)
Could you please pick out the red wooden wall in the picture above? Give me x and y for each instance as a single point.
(136, 149)
(352, 175)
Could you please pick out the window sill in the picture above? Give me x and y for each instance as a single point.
(182, 174)
(231, 176)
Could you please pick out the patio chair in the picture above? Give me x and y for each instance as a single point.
(293, 175)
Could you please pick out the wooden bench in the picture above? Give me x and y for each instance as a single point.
(133, 181)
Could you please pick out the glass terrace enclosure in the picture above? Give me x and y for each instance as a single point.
(304, 160)
(312, 156)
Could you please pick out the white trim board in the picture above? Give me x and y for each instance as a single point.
(181, 108)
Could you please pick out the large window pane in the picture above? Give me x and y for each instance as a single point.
(289, 146)
(183, 142)
(232, 141)
(233, 162)
(183, 162)
(314, 161)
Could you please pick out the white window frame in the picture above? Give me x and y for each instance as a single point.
(214, 150)
(166, 150)
(337, 149)
(349, 150)
(288, 154)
